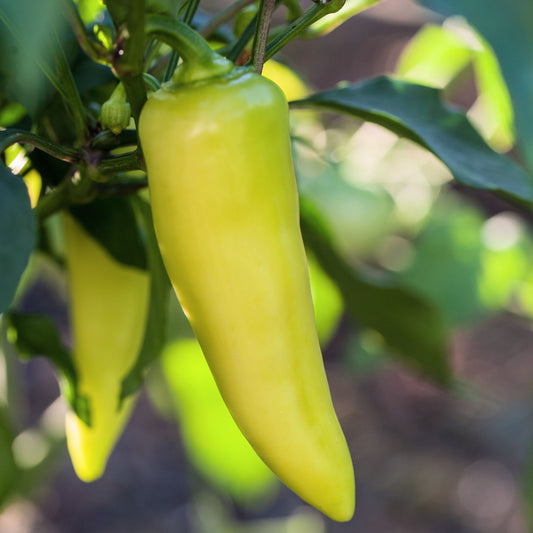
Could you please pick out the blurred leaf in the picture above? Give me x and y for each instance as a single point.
(89, 9)
(448, 262)
(507, 261)
(37, 336)
(359, 218)
(417, 113)
(10, 114)
(494, 99)
(411, 327)
(434, 56)
(214, 443)
(18, 232)
(508, 28)
(112, 222)
(327, 301)
(27, 74)
(156, 325)
(8, 466)
(90, 75)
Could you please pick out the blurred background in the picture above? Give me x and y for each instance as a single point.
(427, 459)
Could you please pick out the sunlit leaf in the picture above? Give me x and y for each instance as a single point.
(213, 441)
(327, 301)
(417, 113)
(508, 28)
(434, 56)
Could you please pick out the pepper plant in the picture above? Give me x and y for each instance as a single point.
(122, 116)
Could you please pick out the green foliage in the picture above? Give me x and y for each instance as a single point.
(8, 466)
(507, 27)
(36, 335)
(212, 440)
(56, 71)
(113, 223)
(18, 231)
(156, 324)
(417, 113)
(411, 327)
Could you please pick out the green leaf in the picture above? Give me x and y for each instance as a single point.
(156, 325)
(212, 439)
(89, 9)
(26, 51)
(18, 232)
(8, 466)
(494, 99)
(411, 327)
(508, 28)
(448, 262)
(417, 113)
(435, 56)
(36, 336)
(112, 222)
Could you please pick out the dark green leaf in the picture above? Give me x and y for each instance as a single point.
(18, 233)
(26, 50)
(411, 327)
(8, 466)
(156, 324)
(38, 336)
(417, 113)
(508, 28)
(112, 222)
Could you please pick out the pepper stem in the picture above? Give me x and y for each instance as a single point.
(200, 62)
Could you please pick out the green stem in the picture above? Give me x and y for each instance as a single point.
(223, 16)
(128, 57)
(9, 137)
(122, 163)
(243, 40)
(326, 25)
(199, 60)
(151, 82)
(65, 194)
(106, 140)
(192, 8)
(298, 26)
(266, 9)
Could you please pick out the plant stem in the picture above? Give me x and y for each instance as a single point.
(266, 9)
(243, 40)
(123, 163)
(9, 137)
(223, 16)
(192, 7)
(200, 61)
(299, 25)
(128, 57)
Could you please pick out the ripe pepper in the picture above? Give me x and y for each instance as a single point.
(109, 305)
(225, 208)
